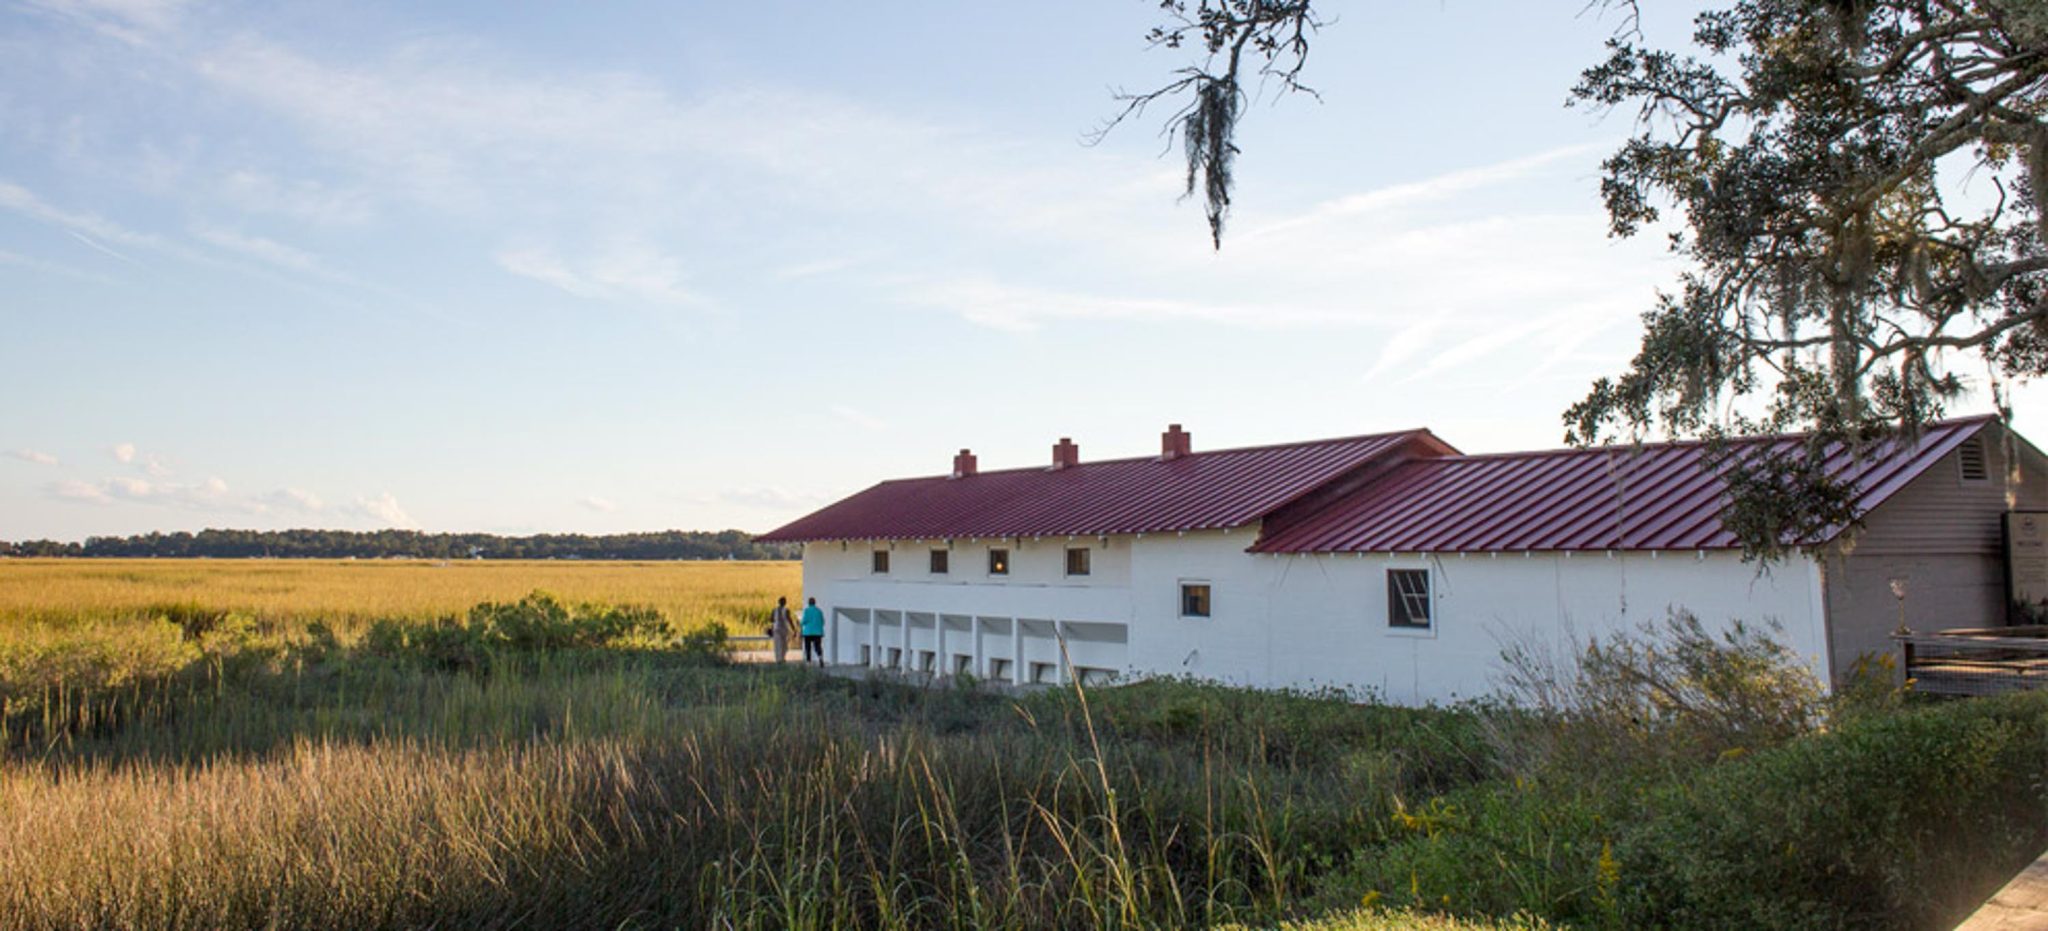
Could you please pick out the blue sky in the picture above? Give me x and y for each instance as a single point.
(523, 267)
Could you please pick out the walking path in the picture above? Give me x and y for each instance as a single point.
(2021, 906)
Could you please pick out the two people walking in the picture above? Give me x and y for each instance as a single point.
(781, 625)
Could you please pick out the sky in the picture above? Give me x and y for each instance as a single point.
(526, 267)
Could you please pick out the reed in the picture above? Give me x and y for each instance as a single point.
(638, 792)
(346, 595)
(213, 762)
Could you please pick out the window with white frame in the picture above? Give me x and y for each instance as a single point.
(1077, 560)
(1194, 599)
(1408, 602)
(941, 560)
(880, 566)
(999, 562)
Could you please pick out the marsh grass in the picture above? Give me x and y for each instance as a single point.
(540, 762)
(567, 791)
(545, 764)
(347, 595)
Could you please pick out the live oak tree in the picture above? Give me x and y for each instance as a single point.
(1858, 185)
(1239, 41)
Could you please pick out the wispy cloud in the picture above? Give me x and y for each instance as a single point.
(295, 500)
(770, 498)
(214, 496)
(46, 266)
(1432, 190)
(100, 233)
(1021, 308)
(211, 495)
(623, 271)
(817, 267)
(385, 511)
(122, 452)
(91, 229)
(459, 127)
(308, 200)
(103, 235)
(858, 417)
(79, 491)
(136, 22)
(36, 456)
(269, 251)
(595, 503)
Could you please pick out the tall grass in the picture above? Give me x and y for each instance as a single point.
(535, 763)
(347, 594)
(559, 792)
(211, 770)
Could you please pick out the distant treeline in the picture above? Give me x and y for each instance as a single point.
(342, 544)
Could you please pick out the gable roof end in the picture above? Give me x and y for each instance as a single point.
(1650, 497)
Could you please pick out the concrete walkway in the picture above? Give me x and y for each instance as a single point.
(2021, 906)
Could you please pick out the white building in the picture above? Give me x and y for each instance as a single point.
(1386, 562)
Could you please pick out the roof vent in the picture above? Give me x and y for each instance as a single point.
(1970, 461)
(1065, 454)
(964, 464)
(1175, 442)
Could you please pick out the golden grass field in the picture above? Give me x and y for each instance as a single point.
(349, 593)
(294, 744)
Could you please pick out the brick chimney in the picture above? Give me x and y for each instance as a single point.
(1065, 454)
(1175, 443)
(963, 464)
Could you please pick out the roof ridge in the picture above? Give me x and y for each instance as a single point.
(1674, 444)
(1261, 447)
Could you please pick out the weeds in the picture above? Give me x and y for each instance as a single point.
(546, 763)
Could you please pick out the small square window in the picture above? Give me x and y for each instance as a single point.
(940, 560)
(881, 564)
(1194, 599)
(1077, 560)
(998, 562)
(1408, 598)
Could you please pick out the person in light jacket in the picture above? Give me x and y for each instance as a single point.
(814, 632)
(780, 628)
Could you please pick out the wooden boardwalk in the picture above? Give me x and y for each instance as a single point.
(2021, 906)
(1983, 661)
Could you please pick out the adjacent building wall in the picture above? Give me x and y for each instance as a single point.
(981, 606)
(1321, 620)
(1941, 538)
(1299, 621)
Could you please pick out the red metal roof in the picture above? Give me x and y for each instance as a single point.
(1621, 498)
(1200, 491)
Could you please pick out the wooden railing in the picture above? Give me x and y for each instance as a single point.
(1980, 661)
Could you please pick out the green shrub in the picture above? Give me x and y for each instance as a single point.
(540, 622)
(709, 643)
(1411, 750)
(1668, 693)
(537, 623)
(1521, 848)
(1903, 820)
(1374, 919)
(446, 644)
(193, 618)
(1873, 687)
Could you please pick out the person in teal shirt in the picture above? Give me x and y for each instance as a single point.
(814, 631)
